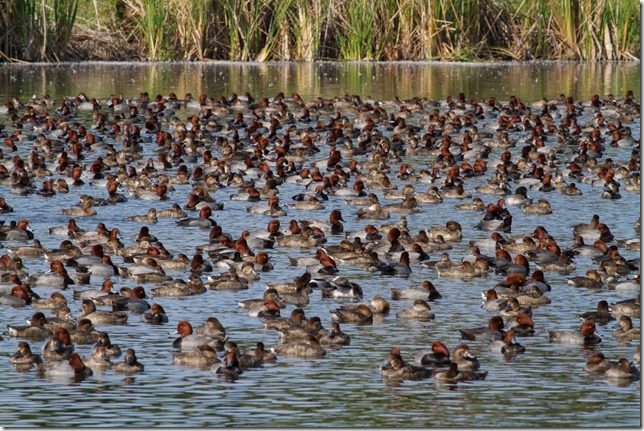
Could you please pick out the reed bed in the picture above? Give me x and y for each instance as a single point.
(308, 30)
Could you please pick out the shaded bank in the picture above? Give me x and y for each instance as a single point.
(307, 30)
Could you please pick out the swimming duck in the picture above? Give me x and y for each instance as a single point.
(397, 369)
(622, 371)
(419, 310)
(438, 355)
(601, 316)
(597, 364)
(98, 317)
(72, 367)
(454, 375)
(507, 345)
(24, 358)
(307, 348)
(626, 332)
(202, 357)
(426, 292)
(585, 335)
(490, 333)
(129, 365)
(188, 341)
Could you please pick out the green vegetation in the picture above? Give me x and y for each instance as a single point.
(307, 30)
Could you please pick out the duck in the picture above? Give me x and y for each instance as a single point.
(362, 315)
(626, 332)
(204, 356)
(84, 333)
(306, 348)
(592, 280)
(397, 369)
(507, 345)
(72, 367)
(453, 375)
(490, 333)
(622, 371)
(55, 300)
(24, 358)
(419, 310)
(110, 350)
(59, 346)
(426, 292)
(341, 287)
(600, 316)
(585, 335)
(204, 220)
(174, 211)
(296, 319)
(129, 365)
(492, 302)
(149, 217)
(597, 364)
(102, 317)
(452, 232)
(465, 360)
(98, 360)
(476, 204)
(438, 355)
(135, 303)
(398, 269)
(188, 341)
(335, 337)
(628, 307)
(34, 331)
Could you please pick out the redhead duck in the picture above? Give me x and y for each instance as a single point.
(135, 303)
(261, 353)
(628, 307)
(19, 232)
(101, 317)
(542, 207)
(24, 358)
(437, 355)
(432, 196)
(296, 319)
(98, 359)
(312, 326)
(426, 292)
(187, 341)
(203, 220)
(341, 287)
(312, 203)
(507, 345)
(179, 287)
(623, 371)
(522, 325)
(72, 367)
(585, 335)
(374, 212)
(514, 308)
(272, 209)
(269, 294)
(299, 298)
(55, 300)
(457, 192)
(227, 281)
(463, 271)
(306, 348)
(626, 332)
(369, 200)
(58, 277)
(129, 365)
(63, 319)
(59, 346)
(335, 337)
(34, 250)
(333, 226)
(86, 209)
(106, 289)
(601, 316)
(174, 211)
(397, 369)
(84, 333)
(270, 308)
(203, 357)
(597, 364)
(592, 280)
(492, 302)
(229, 367)
(362, 315)
(419, 310)
(451, 232)
(110, 350)
(464, 358)
(149, 217)
(490, 333)
(398, 269)
(34, 331)
(477, 204)
(453, 375)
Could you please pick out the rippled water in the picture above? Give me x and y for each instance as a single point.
(545, 387)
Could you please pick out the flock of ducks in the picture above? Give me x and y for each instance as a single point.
(345, 152)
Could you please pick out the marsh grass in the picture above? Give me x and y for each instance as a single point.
(308, 30)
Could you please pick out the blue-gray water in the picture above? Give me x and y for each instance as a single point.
(545, 387)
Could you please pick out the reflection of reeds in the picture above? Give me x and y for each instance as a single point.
(261, 30)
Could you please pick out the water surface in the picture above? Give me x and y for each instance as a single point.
(546, 387)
